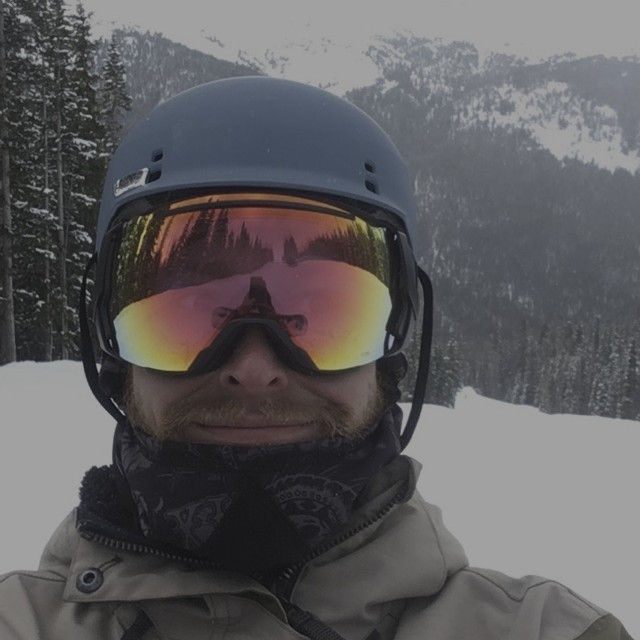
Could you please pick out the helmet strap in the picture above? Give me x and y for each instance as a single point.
(86, 350)
(422, 375)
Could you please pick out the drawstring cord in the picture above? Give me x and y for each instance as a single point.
(308, 625)
(140, 626)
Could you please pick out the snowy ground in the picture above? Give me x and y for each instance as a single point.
(524, 492)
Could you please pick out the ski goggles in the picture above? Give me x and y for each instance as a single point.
(183, 280)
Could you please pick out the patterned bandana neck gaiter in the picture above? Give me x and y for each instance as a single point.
(249, 509)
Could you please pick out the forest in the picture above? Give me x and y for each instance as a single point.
(60, 118)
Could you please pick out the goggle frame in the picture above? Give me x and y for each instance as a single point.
(403, 286)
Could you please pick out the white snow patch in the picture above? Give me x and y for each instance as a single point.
(558, 121)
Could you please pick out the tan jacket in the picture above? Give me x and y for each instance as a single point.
(403, 577)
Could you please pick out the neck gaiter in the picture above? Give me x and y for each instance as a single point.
(249, 508)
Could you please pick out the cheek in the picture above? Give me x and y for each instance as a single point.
(368, 392)
(356, 390)
(152, 395)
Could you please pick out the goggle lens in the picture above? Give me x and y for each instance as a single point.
(318, 275)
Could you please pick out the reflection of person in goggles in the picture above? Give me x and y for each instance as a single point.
(257, 304)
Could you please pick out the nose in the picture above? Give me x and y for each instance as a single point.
(254, 367)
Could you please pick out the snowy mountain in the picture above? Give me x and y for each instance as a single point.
(324, 62)
(554, 114)
(584, 109)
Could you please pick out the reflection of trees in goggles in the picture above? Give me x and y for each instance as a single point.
(159, 252)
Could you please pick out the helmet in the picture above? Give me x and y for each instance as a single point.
(262, 134)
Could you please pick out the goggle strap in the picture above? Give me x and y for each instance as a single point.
(422, 375)
(86, 350)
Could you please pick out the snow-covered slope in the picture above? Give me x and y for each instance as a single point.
(525, 492)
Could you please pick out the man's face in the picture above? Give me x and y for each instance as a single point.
(252, 399)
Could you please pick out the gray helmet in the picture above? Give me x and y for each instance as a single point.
(261, 133)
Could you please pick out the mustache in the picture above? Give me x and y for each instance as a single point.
(331, 418)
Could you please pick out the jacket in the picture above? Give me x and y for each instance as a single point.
(396, 573)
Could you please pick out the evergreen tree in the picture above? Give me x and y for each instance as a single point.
(27, 123)
(432, 395)
(84, 165)
(630, 401)
(450, 377)
(601, 402)
(520, 391)
(7, 312)
(115, 100)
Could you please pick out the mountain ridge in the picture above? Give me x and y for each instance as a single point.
(557, 114)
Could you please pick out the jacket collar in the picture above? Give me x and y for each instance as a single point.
(405, 553)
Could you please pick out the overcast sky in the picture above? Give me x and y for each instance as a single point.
(524, 27)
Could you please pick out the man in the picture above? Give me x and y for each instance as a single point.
(255, 285)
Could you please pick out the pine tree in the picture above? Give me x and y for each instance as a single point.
(452, 375)
(115, 100)
(61, 54)
(520, 390)
(601, 403)
(35, 199)
(7, 313)
(84, 164)
(21, 136)
(630, 401)
(432, 395)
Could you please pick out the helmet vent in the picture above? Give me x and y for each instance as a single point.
(371, 186)
(370, 183)
(157, 155)
(154, 175)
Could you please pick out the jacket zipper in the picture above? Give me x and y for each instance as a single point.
(137, 548)
(283, 585)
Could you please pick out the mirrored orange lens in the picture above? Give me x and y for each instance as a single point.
(184, 273)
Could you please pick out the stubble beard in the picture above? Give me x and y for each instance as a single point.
(332, 419)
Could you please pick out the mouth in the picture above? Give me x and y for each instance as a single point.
(249, 433)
